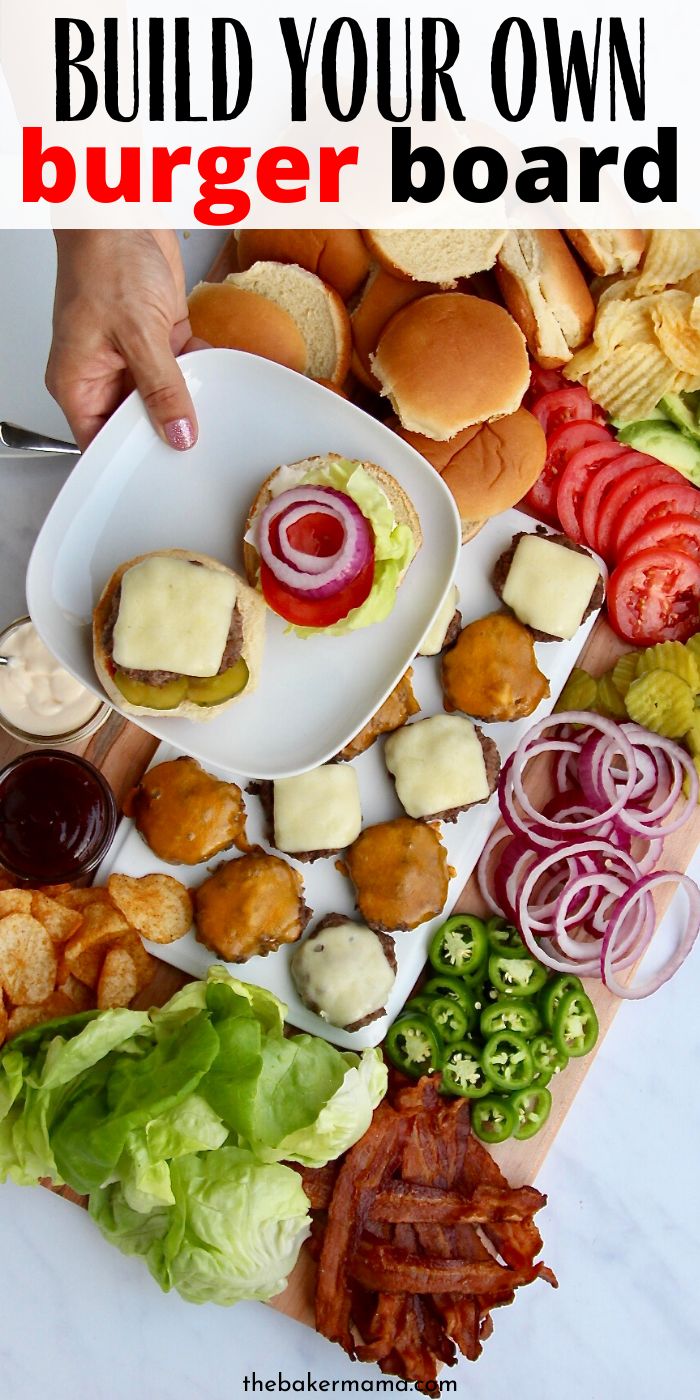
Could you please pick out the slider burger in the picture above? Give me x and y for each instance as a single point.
(328, 542)
(177, 632)
(441, 766)
(550, 583)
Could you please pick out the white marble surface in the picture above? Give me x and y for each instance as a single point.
(80, 1322)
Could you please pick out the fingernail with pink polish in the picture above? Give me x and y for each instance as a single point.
(180, 433)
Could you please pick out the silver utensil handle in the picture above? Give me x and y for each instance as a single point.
(24, 440)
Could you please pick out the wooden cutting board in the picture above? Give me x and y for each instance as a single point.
(122, 752)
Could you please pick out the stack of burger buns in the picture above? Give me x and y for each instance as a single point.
(429, 329)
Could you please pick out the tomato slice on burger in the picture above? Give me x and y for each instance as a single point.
(316, 612)
(654, 596)
(562, 406)
(600, 486)
(575, 479)
(542, 497)
(648, 506)
(672, 532)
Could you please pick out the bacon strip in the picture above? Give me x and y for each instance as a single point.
(366, 1166)
(393, 1270)
(409, 1201)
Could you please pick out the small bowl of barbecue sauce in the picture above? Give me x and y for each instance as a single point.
(58, 817)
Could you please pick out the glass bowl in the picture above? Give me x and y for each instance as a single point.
(69, 736)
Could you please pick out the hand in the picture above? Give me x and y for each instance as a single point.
(120, 318)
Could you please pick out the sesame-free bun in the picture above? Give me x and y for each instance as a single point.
(317, 310)
(545, 290)
(441, 255)
(449, 361)
(608, 250)
(339, 256)
(403, 507)
(251, 608)
(488, 468)
(382, 296)
(237, 319)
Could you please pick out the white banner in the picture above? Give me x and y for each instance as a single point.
(193, 113)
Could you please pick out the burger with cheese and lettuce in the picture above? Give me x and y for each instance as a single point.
(178, 633)
(328, 541)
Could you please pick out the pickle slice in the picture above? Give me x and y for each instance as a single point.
(213, 690)
(610, 700)
(155, 697)
(579, 693)
(661, 702)
(625, 671)
(692, 737)
(673, 657)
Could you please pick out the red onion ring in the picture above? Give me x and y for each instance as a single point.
(308, 574)
(608, 961)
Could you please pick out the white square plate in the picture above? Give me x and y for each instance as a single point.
(326, 889)
(130, 493)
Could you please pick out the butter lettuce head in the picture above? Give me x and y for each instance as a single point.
(394, 544)
(176, 1123)
(233, 1232)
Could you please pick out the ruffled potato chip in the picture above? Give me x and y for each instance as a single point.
(672, 254)
(78, 993)
(28, 961)
(674, 333)
(630, 381)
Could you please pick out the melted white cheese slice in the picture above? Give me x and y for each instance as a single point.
(549, 587)
(435, 635)
(437, 764)
(343, 973)
(173, 616)
(317, 811)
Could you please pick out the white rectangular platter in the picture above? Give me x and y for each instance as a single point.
(327, 890)
(130, 494)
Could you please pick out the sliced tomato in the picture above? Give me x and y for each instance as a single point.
(315, 612)
(542, 497)
(316, 533)
(562, 406)
(542, 381)
(654, 596)
(600, 486)
(620, 497)
(648, 506)
(575, 478)
(671, 532)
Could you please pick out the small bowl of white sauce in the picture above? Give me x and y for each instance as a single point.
(40, 702)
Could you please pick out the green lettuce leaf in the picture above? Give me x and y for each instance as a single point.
(131, 1231)
(343, 1119)
(283, 1089)
(394, 543)
(90, 1136)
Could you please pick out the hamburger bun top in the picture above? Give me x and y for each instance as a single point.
(251, 608)
(449, 361)
(338, 256)
(238, 319)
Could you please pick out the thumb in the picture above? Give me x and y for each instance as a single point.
(161, 384)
